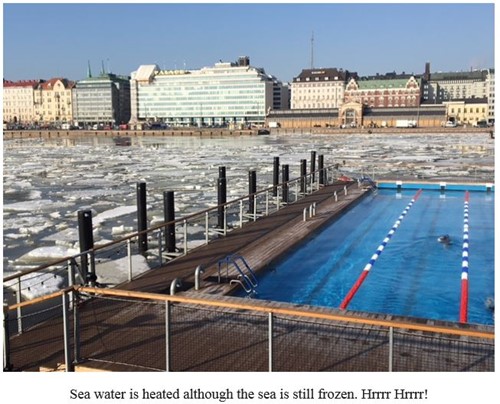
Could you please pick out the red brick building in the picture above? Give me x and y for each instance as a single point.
(384, 93)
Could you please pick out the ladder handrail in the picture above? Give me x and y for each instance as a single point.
(249, 283)
(254, 278)
(238, 269)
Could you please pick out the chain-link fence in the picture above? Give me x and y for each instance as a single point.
(109, 329)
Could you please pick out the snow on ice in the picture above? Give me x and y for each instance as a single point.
(45, 182)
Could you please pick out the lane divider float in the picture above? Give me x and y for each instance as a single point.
(375, 256)
(464, 297)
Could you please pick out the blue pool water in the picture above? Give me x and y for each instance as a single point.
(415, 275)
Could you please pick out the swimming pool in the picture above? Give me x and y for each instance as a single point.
(415, 275)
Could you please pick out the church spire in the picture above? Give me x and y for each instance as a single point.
(89, 73)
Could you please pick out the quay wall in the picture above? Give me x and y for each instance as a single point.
(54, 134)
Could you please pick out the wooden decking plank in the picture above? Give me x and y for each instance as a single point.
(114, 332)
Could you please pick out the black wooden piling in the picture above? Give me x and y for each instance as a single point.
(313, 165)
(169, 216)
(86, 239)
(276, 175)
(142, 221)
(321, 169)
(286, 177)
(221, 196)
(303, 174)
(252, 189)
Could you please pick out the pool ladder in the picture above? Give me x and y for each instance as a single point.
(246, 276)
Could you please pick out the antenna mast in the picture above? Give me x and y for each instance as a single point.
(312, 50)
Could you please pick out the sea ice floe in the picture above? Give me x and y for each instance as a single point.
(113, 213)
(42, 255)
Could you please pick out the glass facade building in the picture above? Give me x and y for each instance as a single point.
(227, 93)
(102, 100)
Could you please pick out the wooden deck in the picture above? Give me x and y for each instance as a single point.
(121, 335)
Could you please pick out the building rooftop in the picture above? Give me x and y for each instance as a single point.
(384, 83)
(472, 75)
(22, 83)
(49, 84)
(323, 74)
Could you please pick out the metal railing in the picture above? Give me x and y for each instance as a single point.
(143, 331)
(192, 231)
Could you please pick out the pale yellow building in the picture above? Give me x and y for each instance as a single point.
(53, 101)
(467, 111)
(318, 89)
(18, 101)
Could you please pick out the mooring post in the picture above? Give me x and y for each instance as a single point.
(285, 175)
(221, 196)
(321, 169)
(313, 167)
(169, 216)
(303, 174)
(142, 222)
(86, 239)
(276, 175)
(252, 189)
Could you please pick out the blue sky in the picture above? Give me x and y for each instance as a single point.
(58, 40)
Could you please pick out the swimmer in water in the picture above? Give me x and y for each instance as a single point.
(445, 239)
(490, 303)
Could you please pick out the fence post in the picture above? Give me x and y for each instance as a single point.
(241, 213)
(6, 339)
(129, 256)
(225, 220)
(270, 346)
(19, 310)
(76, 329)
(160, 248)
(167, 336)
(67, 350)
(142, 221)
(206, 227)
(71, 280)
(185, 236)
(391, 347)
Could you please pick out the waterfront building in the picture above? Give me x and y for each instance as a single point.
(384, 92)
(490, 90)
(355, 115)
(18, 101)
(319, 88)
(467, 111)
(102, 100)
(449, 86)
(224, 94)
(53, 101)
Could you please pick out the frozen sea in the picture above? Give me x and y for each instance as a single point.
(46, 182)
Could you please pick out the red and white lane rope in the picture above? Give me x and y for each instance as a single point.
(375, 256)
(464, 298)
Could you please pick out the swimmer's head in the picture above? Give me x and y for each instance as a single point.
(445, 239)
